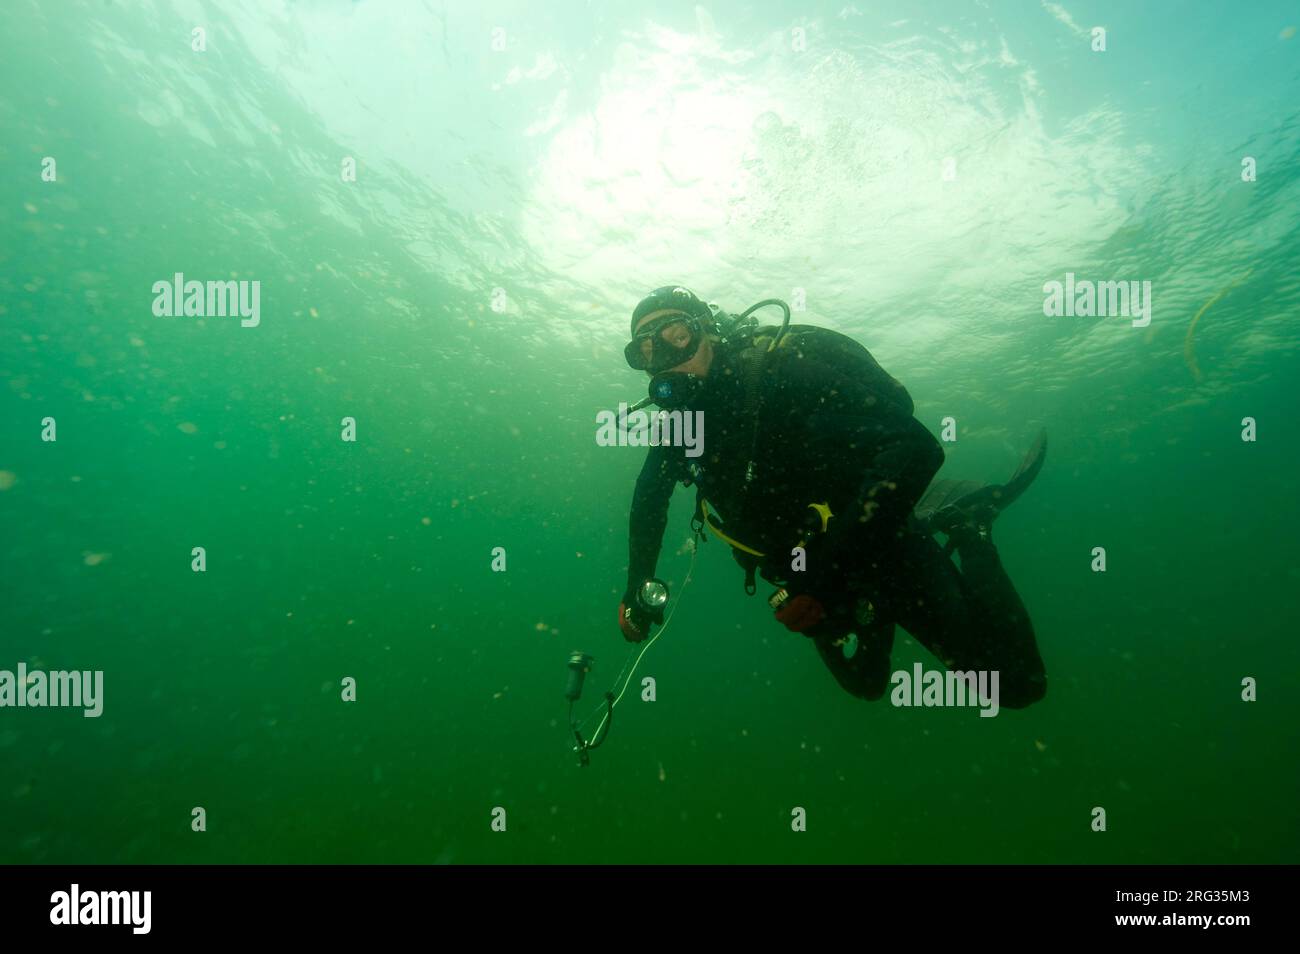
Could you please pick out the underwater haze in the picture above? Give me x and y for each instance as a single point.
(450, 211)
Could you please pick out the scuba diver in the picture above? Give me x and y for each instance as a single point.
(810, 444)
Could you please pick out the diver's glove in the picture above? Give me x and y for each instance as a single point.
(797, 613)
(634, 620)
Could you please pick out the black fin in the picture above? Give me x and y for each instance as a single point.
(949, 504)
(941, 493)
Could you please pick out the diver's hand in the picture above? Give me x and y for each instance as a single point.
(633, 624)
(634, 621)
(797, 613)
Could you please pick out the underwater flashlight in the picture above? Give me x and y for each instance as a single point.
(579, 666)
(652, 597)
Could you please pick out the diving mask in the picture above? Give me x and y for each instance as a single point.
(664, 343)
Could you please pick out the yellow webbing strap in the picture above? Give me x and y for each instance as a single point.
(704, 508)
(823, 511)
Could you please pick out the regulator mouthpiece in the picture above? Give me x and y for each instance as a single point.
(671, 390)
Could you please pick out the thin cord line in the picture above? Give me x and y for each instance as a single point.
(635, 660)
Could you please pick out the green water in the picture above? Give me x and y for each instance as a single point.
(523, 176)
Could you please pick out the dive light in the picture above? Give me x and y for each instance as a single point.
(579, 666)
(652, 596)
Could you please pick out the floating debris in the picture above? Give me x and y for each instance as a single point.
(1189, 349)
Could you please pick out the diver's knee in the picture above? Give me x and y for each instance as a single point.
(871, 693)
(865, 686)
(1020, 693)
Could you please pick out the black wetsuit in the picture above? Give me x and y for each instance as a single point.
(833, 427)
